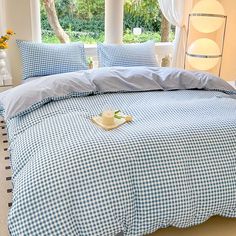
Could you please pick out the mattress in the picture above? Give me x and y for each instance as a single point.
(215, 226)
(174, 165)
(5, 180)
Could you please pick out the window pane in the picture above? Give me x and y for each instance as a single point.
(83, 20)
(147, 17)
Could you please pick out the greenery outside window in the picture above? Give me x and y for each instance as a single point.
(83, 20)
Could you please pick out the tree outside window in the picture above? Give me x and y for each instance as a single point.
(83, 20)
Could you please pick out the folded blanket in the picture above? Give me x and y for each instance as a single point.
(115, 79)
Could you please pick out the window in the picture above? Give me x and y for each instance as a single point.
(143, 21)
(83, 20)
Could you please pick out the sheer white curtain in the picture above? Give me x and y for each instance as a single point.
(176, 12)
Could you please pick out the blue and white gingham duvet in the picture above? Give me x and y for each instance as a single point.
(175, 164)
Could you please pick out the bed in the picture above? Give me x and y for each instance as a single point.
(174, 165)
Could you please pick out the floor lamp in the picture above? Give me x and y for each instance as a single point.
(207, 16)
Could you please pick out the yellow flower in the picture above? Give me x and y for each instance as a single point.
(2, 46)
(10, 32)
(5, 45)
(6, 37)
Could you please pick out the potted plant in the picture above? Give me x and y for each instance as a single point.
(90, 62)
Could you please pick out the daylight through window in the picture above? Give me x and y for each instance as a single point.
(83, 20)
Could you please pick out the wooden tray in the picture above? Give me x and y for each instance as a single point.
(118, 122)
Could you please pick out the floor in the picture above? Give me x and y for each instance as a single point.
(215, 226)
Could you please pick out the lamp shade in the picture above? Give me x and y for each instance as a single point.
(203, 54)
(207, 24)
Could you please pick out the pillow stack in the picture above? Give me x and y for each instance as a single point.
(41, 59)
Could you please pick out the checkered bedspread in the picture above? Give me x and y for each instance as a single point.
(175, 164)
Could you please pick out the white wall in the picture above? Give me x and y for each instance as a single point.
(18, 18)
(2, 17)
(229, 58)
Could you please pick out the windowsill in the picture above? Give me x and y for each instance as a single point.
(159, 44)
(162, 50)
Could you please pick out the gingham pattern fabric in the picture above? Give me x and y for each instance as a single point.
(137, 54)
(175, 164)
(41, 59)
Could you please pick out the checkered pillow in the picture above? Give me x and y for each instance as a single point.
(139, 54)
(41, 59)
